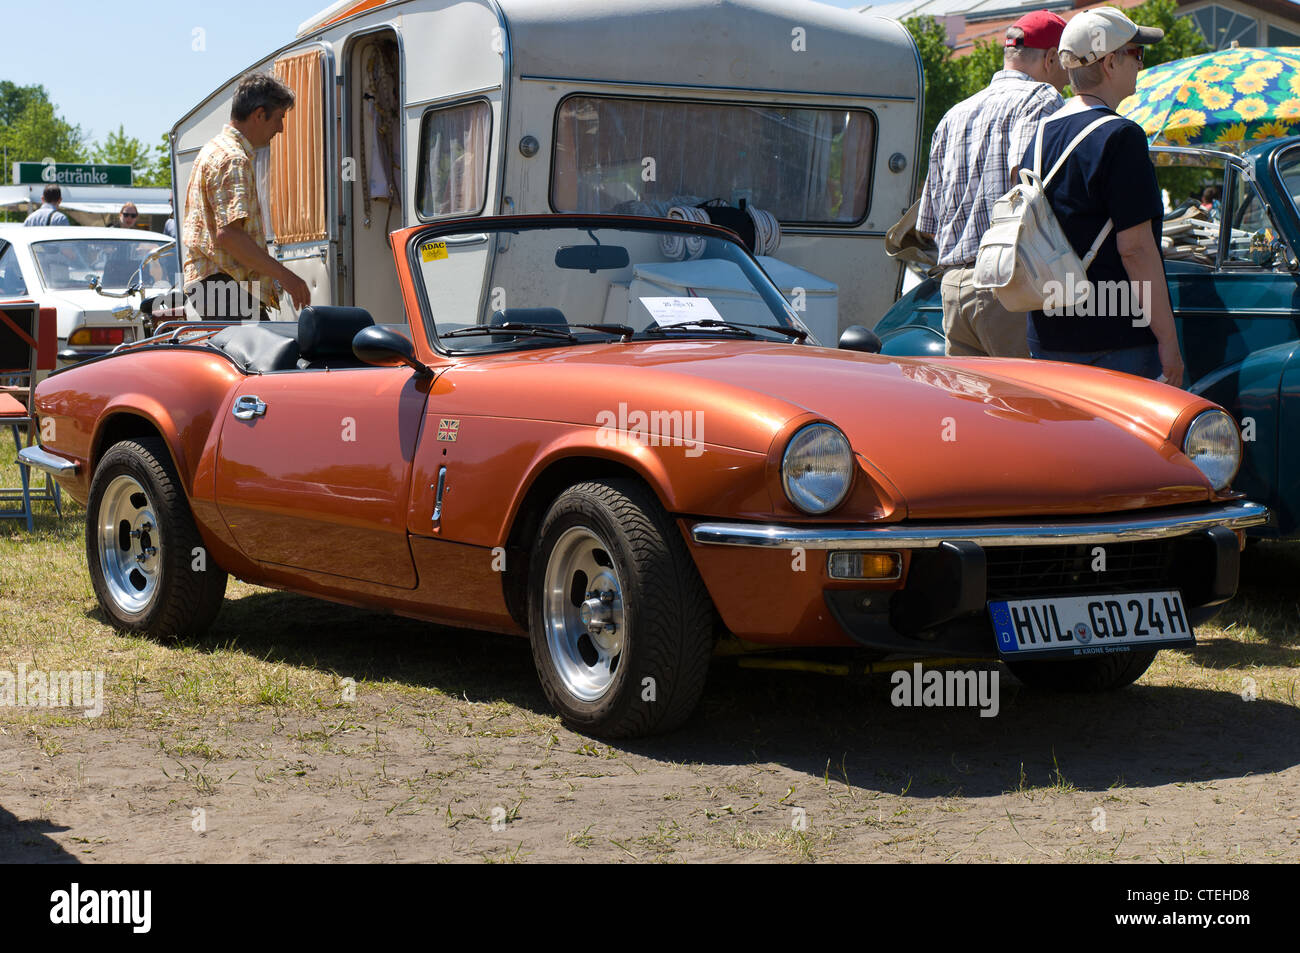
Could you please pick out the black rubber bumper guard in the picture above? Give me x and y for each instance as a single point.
(943, 607)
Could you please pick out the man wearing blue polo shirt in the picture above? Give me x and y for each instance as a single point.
(1128, 324)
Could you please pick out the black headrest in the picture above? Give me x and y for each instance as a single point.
(325, 331)
(530, 316)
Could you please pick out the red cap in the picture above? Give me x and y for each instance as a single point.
(1042, 30)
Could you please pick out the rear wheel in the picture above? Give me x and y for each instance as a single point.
(620, 622)
(1098, 674)
(147, 563)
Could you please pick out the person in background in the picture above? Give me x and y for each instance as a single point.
(48, 213)
(228, 271)
(127, 217)
(1108, 177)
(169, 227)
(1210, 201)
(975, 147)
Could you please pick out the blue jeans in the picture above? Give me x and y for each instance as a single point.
(1142, 361)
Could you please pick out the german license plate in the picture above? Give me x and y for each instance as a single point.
(1090, 625)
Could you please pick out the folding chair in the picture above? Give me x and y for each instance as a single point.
(27, 341)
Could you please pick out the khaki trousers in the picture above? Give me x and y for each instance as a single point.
(974, 322)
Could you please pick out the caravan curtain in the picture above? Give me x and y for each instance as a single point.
(454, 160)
(297, 183)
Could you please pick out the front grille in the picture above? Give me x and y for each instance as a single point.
(1019, 572)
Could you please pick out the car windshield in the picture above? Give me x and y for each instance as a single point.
(68, 264)
(1288, 167)
(545, 285)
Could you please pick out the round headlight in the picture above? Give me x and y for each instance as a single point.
(817, 469)
(1213, 444)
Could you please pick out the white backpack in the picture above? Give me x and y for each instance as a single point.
(1024, 257)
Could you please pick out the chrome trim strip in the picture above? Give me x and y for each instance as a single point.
(50, 463)
(1163, 524)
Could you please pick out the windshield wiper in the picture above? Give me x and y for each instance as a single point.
(622, 330)
(710, 323)
(512, 328)
(542, 330)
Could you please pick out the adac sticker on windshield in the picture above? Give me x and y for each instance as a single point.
(432, 251)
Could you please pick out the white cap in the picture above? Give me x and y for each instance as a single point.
(1092, 34)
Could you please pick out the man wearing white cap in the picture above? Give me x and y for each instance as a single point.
(1107, 182)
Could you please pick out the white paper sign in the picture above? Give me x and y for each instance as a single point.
(680, 310)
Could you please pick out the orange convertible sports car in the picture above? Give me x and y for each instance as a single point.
(616, 436)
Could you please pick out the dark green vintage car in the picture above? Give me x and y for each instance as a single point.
(1236, 297)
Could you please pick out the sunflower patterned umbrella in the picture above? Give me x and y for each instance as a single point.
(1230, 98)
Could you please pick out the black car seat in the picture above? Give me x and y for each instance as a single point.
(325, 336)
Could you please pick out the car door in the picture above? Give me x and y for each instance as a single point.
(314, 470)
(1239, 322)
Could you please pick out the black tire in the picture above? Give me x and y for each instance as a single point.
(1101, 673)
(176, 599)
(667, 629)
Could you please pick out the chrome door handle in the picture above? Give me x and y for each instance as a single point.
(248, 406)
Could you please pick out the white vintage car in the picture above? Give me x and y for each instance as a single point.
(55, 265)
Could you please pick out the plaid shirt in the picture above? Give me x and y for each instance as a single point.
(973, 151)
(222, 190)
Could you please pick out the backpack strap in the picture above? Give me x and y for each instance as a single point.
(1038, 165)
(1068, 149)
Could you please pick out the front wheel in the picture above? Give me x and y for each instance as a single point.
(1098, 674)
(147, 562)
(620, 622)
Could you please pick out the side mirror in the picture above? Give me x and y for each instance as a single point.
(385, 347)
(858, 338)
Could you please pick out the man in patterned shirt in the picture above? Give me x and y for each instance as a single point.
(975, 148)
(228, 272)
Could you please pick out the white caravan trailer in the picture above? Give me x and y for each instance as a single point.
(415, 110)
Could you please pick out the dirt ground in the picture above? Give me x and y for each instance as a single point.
(244, 746)
(1180, 774)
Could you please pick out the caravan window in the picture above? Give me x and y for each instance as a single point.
(642, 156)
(454, 144)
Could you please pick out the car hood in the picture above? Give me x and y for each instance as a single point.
(953, 437)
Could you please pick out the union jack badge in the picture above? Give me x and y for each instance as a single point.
(448, 429)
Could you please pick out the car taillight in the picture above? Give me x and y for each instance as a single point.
(95, 337)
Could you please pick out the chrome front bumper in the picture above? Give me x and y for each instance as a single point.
(48, 462)
(1140, 524)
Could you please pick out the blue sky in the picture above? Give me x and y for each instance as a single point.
(133, 62)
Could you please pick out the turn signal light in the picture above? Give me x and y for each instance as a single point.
(869, 565)
(95, 337)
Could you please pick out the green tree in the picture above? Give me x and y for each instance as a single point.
(979, 65)
(120, 149)
(1181, 39)
(943, 77)
(31, 130)
(160, 171)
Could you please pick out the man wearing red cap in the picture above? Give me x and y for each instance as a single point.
(975, 147)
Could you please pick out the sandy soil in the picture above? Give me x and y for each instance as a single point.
(1160, 772)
